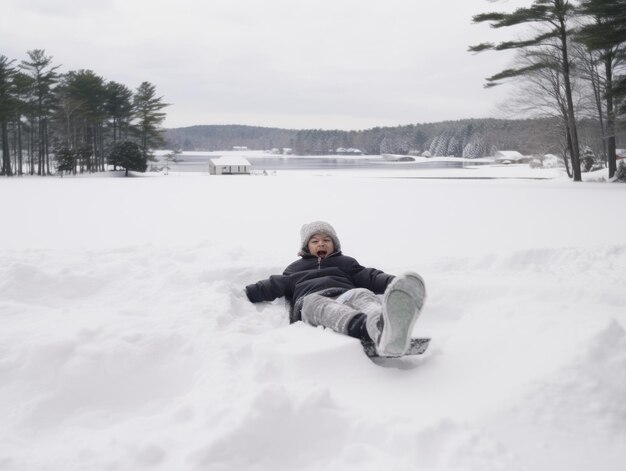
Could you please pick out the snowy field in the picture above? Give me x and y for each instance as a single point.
(126, 343)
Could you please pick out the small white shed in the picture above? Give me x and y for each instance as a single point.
(229, 165)
(508, 156)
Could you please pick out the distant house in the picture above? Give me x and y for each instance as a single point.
(282, 150)
(229, 165)
(620, 154)
(508, 157)
(349, 151)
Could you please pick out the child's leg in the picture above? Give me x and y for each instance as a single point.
(360, 313)
(362, 300)
(354, 313)
(327, 312)
(364, 326)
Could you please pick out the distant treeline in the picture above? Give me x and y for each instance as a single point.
(471, 138)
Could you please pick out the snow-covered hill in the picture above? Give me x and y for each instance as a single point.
(126, 342)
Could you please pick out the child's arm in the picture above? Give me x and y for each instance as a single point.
(267, 290)
(371, 278)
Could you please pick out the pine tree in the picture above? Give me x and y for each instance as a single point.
(475, 148)
(588, 158)
(44, 77)
(83, 99)
(6, 111)
(454, 147)
(620, 174)
(147, 110)
(552, 17)
(442, 147)
(22, 85)
(606, 33)
(129, 156)
(418, 139)
(434, 145)
(65, 160)
(386, 146)
(119, 107)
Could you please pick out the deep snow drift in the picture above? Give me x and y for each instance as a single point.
(126, 342)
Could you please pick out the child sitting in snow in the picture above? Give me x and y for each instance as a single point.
(325, 287)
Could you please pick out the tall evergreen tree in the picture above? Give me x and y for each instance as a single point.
(454, 147)
(87, 94)
(606, 33)
(6, 111)
(68, 105)
(147, 109)
(22, 86)
(119, 108)
(551, 16)
(44, 77)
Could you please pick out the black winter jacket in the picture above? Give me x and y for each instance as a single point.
(330, 276)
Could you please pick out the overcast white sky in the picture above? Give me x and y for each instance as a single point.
(345, 64)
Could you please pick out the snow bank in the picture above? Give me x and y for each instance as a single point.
(127, 342)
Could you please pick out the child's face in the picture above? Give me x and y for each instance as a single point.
(321, 245)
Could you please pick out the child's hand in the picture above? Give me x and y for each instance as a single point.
(238, 293)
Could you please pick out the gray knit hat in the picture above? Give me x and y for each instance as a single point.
(317, 227)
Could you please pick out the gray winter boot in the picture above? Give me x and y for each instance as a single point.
(402, 302)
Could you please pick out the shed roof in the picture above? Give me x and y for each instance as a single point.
(231, 160)
(509, 154)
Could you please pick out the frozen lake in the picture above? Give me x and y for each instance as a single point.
(199, 162)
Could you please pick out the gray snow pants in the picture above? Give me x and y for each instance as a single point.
(336, 313)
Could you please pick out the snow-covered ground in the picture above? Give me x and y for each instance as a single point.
(126, 343)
